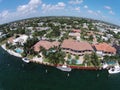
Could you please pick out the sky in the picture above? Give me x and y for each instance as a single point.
(105, 10)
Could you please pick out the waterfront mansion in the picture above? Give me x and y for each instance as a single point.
(77, 47)
(103, 49)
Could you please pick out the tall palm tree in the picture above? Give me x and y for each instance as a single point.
(87, 59)
(95, 59)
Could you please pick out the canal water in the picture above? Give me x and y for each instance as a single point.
(18, 75)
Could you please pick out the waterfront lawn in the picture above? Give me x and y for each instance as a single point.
(45, 60)
(3, 42)
(77, 65)
(30, 56)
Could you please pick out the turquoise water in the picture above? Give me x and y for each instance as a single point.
(18, 50)
(112, 63)
(18, 75)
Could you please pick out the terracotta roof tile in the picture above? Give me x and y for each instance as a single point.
(46, 44)
(11, 39)
(105, 47)
(75, 45)
(76, 30)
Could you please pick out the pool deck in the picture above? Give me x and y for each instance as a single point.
(11, 52)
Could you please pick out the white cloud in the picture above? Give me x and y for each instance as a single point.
(22, 11)
(98, 11)
(4, 14)
(49, 7)
(85, 6)
(77, 9)
(30, 7)
(94, 13)
(111, 12)
(76, 1)
(90, 11)
(107, 7)
(61, 4)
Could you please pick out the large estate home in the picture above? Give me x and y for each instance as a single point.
(76, 48)
(69, 46)
(21, 39)
(104, 49)
(45, 44)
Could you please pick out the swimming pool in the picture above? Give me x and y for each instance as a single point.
(18, 50)
(111, 62)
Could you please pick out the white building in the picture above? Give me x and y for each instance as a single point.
(0, 33)
(22, 39)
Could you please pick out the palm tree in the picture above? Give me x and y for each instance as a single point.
(94, 59)
(55, 55)
(87, 59)
(76, 57)
(69, 56)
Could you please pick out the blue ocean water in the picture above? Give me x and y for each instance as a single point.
(18, 75)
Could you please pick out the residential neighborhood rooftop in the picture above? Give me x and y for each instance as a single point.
(45, 44)
(104, 47)
(75, 45)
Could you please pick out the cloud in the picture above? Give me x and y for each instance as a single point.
(111, 12)
(50, 7)
(94, 13)
(107, 7)
(22, 11)
(77, 9)
(85, 6)
(76, 1)
(98, 11)
(4, 14)
(90, 11)
(30, 7)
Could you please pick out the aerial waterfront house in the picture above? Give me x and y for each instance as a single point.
(117, 47)
(76, 48)
(75, 33)
(103, 49)
(69, 46)
(45, 44)
(21, 40)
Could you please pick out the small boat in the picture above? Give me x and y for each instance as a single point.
(26, 60)
(114, 70)
(64, 68)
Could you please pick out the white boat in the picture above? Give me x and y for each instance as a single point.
(114, 70)
(26, 60)
(64, 68)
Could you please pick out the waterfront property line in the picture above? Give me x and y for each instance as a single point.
(48, 64)
(71, 66)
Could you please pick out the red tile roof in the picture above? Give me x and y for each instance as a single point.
(76, 30)
(75, 45)
(46, 44)
(11, 39)
(105, 47)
